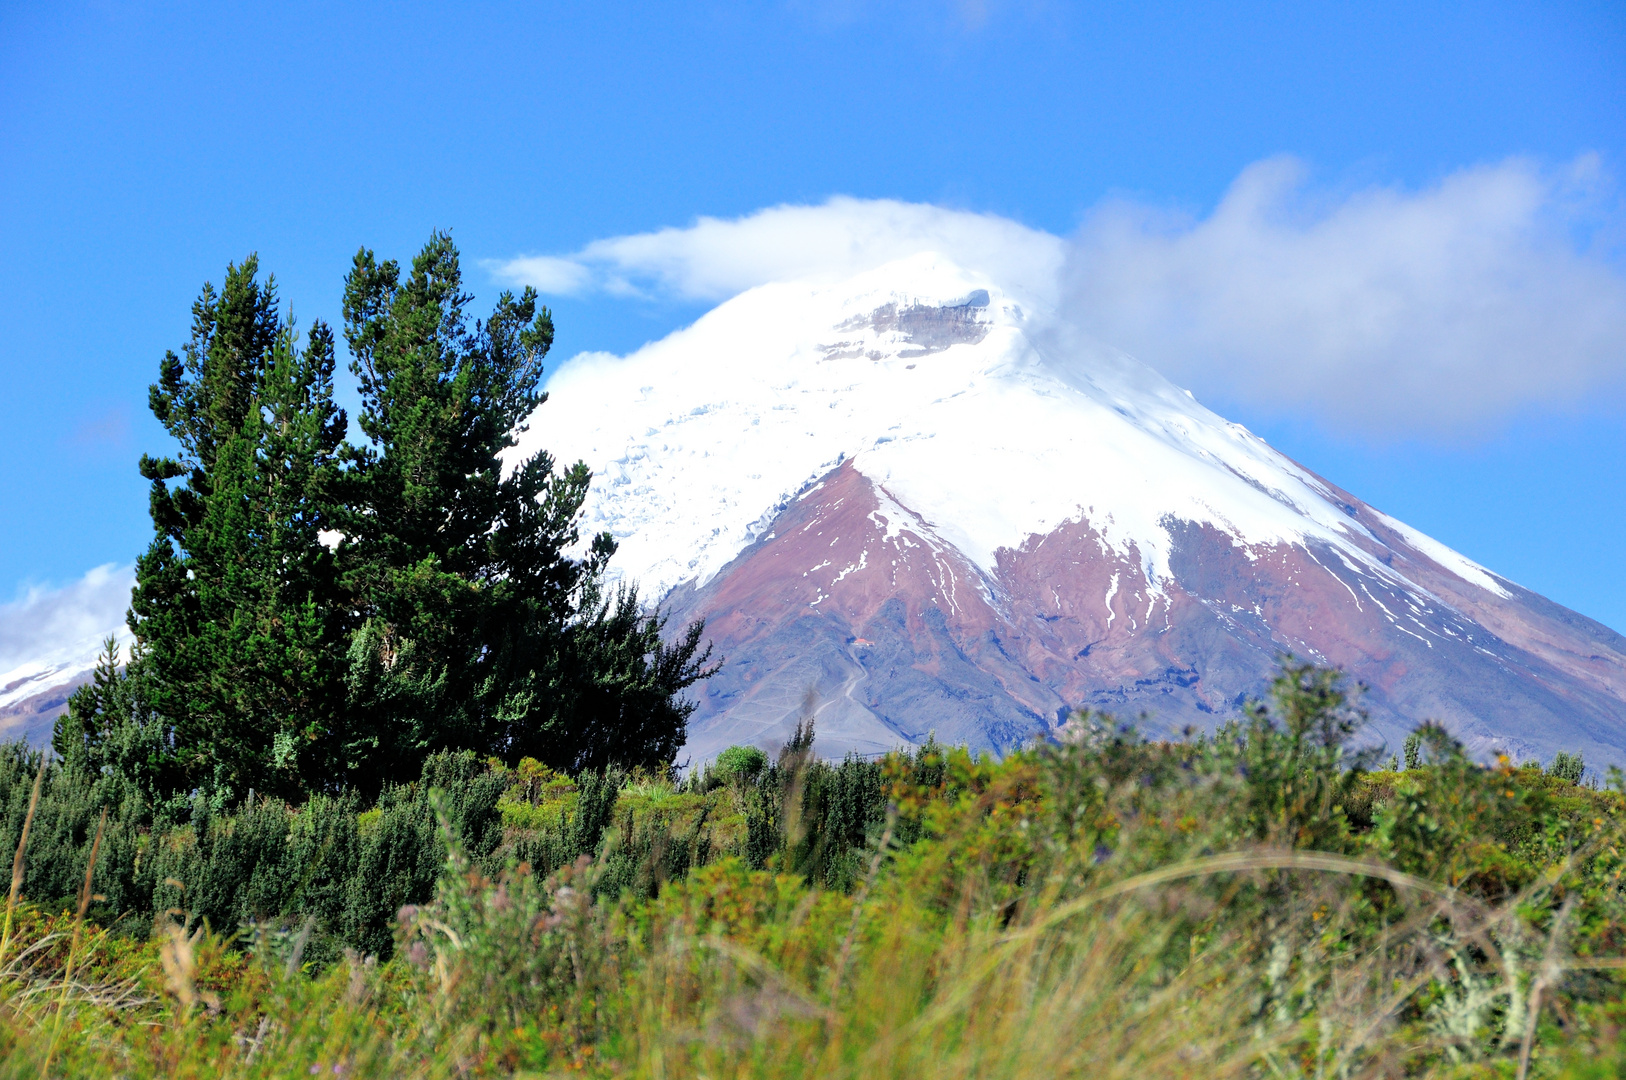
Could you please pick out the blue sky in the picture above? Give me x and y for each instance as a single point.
(141, 148)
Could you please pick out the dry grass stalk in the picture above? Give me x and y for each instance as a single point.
(178, 955)
(17, 862)
(1551, 968)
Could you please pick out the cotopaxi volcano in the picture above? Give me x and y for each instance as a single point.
(910, 502)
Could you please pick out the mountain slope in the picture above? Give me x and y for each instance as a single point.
(907, 502)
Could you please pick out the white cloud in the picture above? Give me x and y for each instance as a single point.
(56, 626)
(714, 259)
(559, 277)
(1381, 310)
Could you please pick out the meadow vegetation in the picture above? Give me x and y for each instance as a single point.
(385, 788)
(1256, 902)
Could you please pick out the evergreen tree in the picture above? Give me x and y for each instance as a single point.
(109, 734)
(240, 626)
(481, 630)
(607, 694)
(1414, 751)
(313, 616)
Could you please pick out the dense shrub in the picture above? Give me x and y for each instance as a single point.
(1242, 905)
(351, 866)
(1567, 767)
(349, 869)
(1252, 903)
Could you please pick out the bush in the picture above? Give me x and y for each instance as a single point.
(740, 764)
(259, 861)
(1567, 767)
(1245, 905)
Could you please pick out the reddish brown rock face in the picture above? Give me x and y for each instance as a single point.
(853, 609)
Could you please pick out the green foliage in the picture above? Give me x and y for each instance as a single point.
(236, 604)
(316, 617)
(736, 765)
(460, 568)
(110, 734)
(350, 866)
(1568, 767)
(1292, 756)
(1414, 751)
(1168, 909)
(260, 859)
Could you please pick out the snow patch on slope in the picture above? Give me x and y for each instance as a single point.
(60, 668)
(50, 637)
(1460, 565)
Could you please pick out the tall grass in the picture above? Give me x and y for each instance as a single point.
(1242, 906)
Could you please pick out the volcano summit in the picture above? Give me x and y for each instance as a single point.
(911, 503)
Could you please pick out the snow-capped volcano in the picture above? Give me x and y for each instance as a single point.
(933, 383)
(915, 496)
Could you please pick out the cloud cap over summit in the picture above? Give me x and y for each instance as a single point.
(1497, 290)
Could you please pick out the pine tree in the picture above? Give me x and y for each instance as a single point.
(609, 693)
(313, 616)
(110, 735)
(481, 629)
(1414, 751)
(236, 610)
